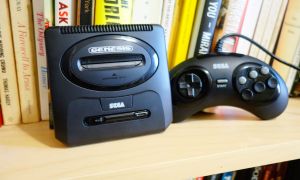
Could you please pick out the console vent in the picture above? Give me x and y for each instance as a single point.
(105, 28)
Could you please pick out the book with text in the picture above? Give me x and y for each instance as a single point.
(113, 12)
(167, 18)
(65, 12)
(147, 12)
(85, 12)
(39, 28)
(22, 28)
(8, 78)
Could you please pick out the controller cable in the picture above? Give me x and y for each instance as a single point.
(219, 48)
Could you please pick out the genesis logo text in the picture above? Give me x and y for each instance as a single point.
(221, 66)
(110, 49)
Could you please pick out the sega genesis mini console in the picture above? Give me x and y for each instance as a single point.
(108, 82)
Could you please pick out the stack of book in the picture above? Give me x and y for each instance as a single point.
(192, 28)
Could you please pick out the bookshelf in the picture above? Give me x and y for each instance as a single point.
(205, 144)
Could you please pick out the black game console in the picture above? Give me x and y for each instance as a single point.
(108, 82)
(227, 79)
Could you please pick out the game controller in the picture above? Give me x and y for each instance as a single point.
(227, 79)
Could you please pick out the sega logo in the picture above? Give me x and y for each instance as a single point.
(221, 66)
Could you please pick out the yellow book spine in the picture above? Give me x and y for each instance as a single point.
(174, 31)
(8, 78)
(113, 12)
(184, 32)
(22, 28)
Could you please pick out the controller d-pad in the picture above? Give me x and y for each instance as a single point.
(190, 85)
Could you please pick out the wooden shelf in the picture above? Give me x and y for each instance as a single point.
(203, 145)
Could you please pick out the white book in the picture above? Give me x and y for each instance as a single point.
(48, 13)
(276, 30)
(261, 25)
(271, 22)
(65, 12)
(292, 72)
(9, 94)
(196, 27)
(249, 24)
(39, 28)
(167, 18)
(147, 11)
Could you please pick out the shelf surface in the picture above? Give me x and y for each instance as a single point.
(205, 144)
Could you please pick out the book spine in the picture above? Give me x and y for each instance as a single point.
(289, 37)
(113, 12)
(207, 27)
(292, 72)
(184, 32)
(232, 24)
(261, 25)
(174, 31)
(269, 28)
(85, 11)
(22, 28)
(276, 30)
(48, 13)
(8, 78)
(39, 28)
(65, 12)
(196, 27)
(167, 18)
(147, 12)
(249, 24)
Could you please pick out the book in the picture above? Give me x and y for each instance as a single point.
(214, 177)
(174, 31)
(295, 92)
(261, 25)
(293, 72)
(167, 19)
(39, 28)
(23, 38)
(276, 30)
(65, 12)
(113, 12)
(207, 27)
(48, 13)
(85, 12)
(269, 29)
(289, 37)
(181, 44)
(227, 176)
(233, 22)
(196, 27)
(248, 26)
(147, 12)
(9, 94)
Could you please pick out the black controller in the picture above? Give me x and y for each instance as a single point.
(227, 79)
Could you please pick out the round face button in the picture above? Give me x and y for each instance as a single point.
(264, 70)
(253, 74)
(190, 85)
(272, 82)
(242, 80)
(247, 94)
(259, 87)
